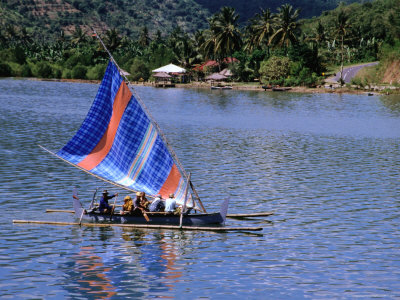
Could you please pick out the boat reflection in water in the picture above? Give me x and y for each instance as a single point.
(157, 258)
(169, 255)
(91, 274)
(141, 263)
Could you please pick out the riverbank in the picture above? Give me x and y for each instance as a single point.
(328, 87)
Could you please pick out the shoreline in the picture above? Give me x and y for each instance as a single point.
(329, 89)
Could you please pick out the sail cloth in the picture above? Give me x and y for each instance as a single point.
(118, 142)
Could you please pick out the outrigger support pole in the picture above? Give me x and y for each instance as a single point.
(153, 121)
(183, 208)
(75, 196)
(197, 195)
(94, 197)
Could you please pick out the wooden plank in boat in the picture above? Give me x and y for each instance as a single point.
(252, 215)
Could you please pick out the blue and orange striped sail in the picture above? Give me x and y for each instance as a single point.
(118, 142)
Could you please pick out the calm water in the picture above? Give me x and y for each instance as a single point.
(327, 164)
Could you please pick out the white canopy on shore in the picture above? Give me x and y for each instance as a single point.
(171, 68)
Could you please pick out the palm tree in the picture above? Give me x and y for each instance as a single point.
(342, 27)
(320, 35)
(144, 39)
(158, 38)
(286, 27)
(260, 30)
(227, 35)
(25, 37)
(112, 40)
(199, 39)
(78, 36)
(223, 37)
(318, 38)
(10, 32)
(184, 51)
(207, 48)
(175, 36)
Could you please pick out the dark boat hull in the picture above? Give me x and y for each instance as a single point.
(154, 218)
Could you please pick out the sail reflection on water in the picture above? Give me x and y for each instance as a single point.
(158, 257)
(170, 256)
(92, 275)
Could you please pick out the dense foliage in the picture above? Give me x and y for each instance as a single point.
(45, 18)
(247, 9)
(365, 28)
(276, 48)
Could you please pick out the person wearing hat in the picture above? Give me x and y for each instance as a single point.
(127, 206)
(136, 202)
(170, 203)
(157, 204)
(139, 205)
(104, 207)
(144, 203)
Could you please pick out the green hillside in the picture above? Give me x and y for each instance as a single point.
(247, 9)
(378, 20)
(275, 47)
(44, 19)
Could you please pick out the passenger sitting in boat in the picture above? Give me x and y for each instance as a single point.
(170, 203)
(144, 203)
(127, 207)
(141, 203)
(157, 204)
(104, 207)
(136, 202)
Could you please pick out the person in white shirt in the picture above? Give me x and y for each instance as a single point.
(170, 203)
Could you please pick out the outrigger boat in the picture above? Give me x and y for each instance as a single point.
(120, 143)
(158, 218)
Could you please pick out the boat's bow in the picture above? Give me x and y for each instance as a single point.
(224, 210)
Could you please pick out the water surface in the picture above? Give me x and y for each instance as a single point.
(327, 164)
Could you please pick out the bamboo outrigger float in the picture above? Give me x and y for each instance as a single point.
(141, 226)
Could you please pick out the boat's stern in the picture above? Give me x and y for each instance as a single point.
(224, 210)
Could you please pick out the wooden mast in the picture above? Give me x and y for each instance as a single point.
(153, 121)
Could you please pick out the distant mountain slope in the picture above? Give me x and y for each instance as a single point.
(44, 18)
(247, 8)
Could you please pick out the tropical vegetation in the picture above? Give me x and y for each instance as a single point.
(44, 19)
(273, 48)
